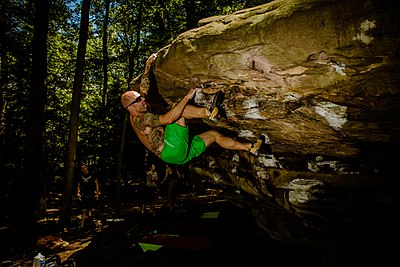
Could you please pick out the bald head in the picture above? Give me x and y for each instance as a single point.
(128, 97)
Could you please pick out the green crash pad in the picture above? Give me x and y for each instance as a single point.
(177, 242)
(208, 215)
(146, 246)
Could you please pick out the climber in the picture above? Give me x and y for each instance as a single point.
(167, 136)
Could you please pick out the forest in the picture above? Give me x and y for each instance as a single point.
(64, 66)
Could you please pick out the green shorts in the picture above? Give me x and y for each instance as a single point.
(177, 147)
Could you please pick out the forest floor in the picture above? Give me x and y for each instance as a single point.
(203, 230)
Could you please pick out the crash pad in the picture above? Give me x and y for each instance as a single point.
(145, 246)
(208, 215)
(177, 242)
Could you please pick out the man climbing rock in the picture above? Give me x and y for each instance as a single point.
(167, 135)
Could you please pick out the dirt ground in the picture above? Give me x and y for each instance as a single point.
(201, 231)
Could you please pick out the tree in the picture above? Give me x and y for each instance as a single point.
(70, 163)
(132, 55)
(33, 177)
(105, 86)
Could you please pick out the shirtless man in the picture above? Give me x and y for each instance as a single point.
(167, 136)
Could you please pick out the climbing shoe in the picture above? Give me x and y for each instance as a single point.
(255, 148)
(216, 105)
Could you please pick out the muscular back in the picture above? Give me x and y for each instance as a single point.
(150, 131)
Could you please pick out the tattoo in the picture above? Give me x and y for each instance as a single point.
(148, 120)
(150, 126)
(156, 138)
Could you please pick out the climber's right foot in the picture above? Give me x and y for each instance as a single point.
(216, 105)
(255, 148)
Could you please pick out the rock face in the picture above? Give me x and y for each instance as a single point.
(320, 80)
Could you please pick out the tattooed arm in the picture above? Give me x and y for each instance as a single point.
(150, 131)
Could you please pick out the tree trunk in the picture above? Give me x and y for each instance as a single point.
(4, 69)
(131, 64)
(65, 216)
(119, 163)
(105, 90)
(31, 191)
(191, 18)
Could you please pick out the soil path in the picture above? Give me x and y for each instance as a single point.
(200, 232)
